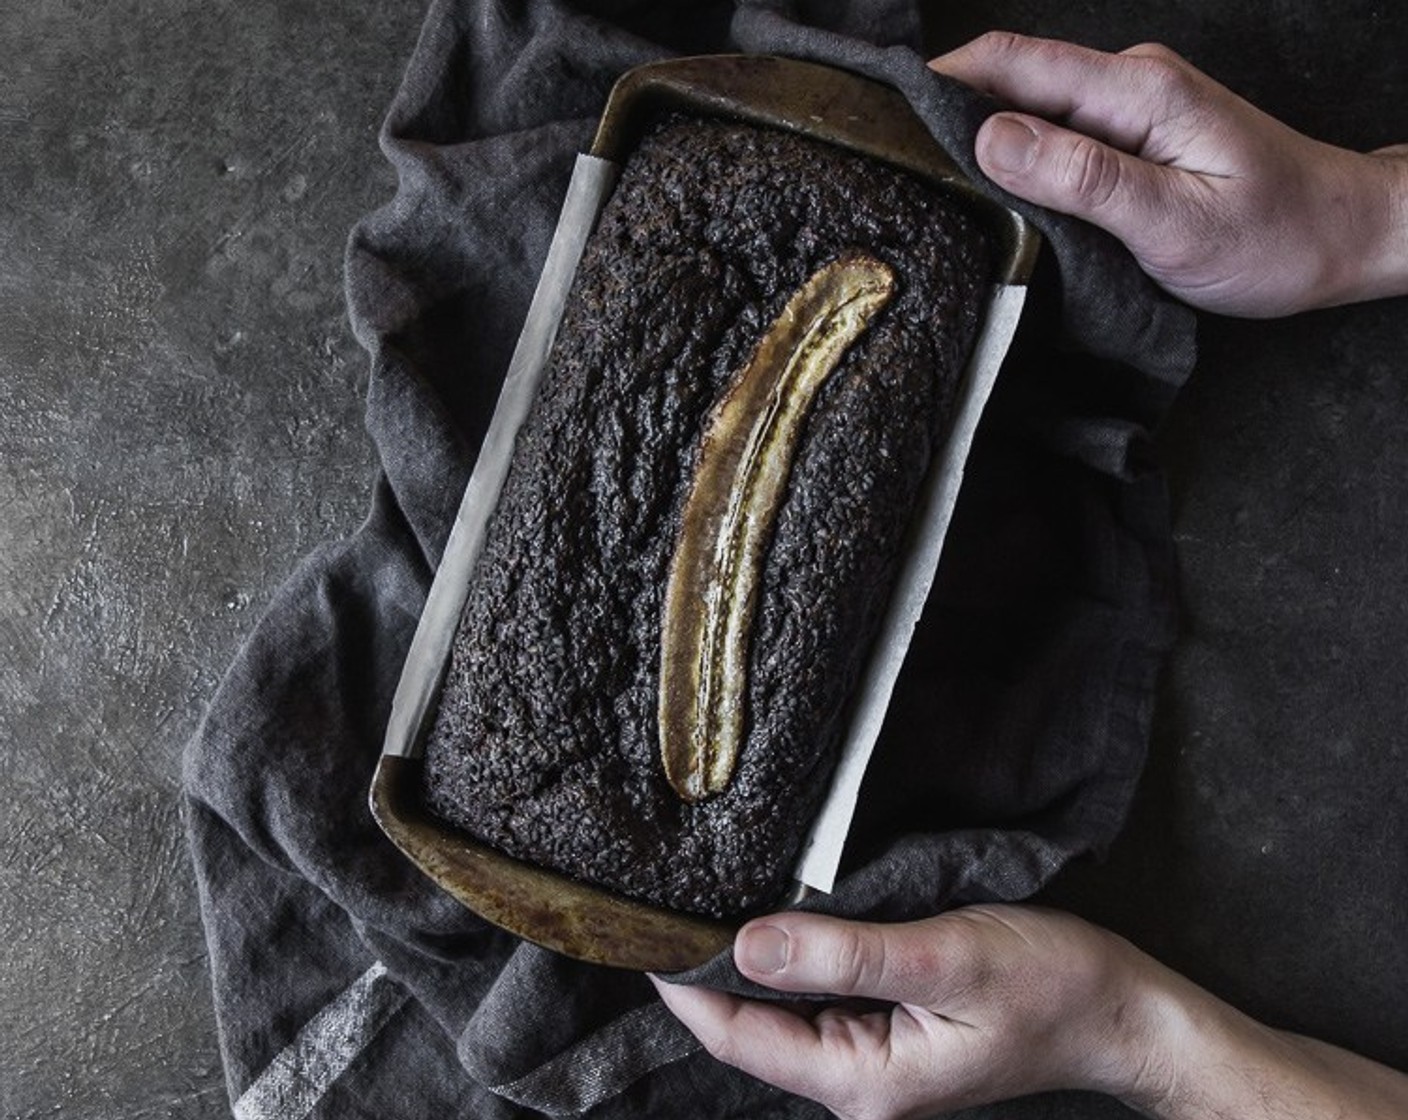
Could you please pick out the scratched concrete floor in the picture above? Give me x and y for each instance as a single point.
(180, 421)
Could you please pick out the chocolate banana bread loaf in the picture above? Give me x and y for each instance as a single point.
(704, 515)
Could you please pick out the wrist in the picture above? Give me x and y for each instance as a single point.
(1365, 249)
(1195, 1056)
(1176, 1040)
(1181, 1030)
(1162, 1021)
(1139, 1019)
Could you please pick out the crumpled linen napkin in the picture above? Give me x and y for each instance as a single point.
(348, 985)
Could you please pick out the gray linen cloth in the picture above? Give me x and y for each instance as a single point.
(346, 984)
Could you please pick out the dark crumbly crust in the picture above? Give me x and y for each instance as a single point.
(545, 743)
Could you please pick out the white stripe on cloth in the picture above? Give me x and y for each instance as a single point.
(604, 1064)
(329, 1042)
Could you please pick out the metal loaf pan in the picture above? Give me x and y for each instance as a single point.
(827, 104)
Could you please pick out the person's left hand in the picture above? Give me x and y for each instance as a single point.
(989, 1002)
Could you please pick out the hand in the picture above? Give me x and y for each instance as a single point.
(992, 1002)
(989, 1003)
(1224, 206)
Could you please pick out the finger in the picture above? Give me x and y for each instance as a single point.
(1075, 174)
(1118, 98)
(761, 1039)
(916, 963)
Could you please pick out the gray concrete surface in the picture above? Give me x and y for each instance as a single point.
(180, 421)
(1267, 853)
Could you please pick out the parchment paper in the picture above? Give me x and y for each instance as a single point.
(592, 180)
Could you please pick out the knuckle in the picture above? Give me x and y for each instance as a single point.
(849, 966)
(719, 1043)
(968, 967)
(1167, 76)
(1000, 43)
(1159, 51)
(1013, 48)
(1091, 173)
(858, 960)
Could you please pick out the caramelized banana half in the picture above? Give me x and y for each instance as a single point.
(740, 481)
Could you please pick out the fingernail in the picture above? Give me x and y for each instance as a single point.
(1008, 145)
(761, 949)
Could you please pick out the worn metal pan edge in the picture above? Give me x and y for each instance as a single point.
(828, 104)
(542, 906)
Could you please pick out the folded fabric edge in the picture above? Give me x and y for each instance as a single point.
(603, 1064)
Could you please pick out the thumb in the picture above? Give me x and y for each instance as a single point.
(911, 963)
(1074, 174)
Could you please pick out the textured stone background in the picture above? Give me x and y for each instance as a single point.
(180, 420)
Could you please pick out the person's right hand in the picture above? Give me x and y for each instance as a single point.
(980, 1004)
(985, 1003)
(1224, 206)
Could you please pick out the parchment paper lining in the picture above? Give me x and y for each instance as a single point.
(592, 180)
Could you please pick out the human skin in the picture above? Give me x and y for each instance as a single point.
(1226, 207)
(1235, 213)
(987, 1003)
